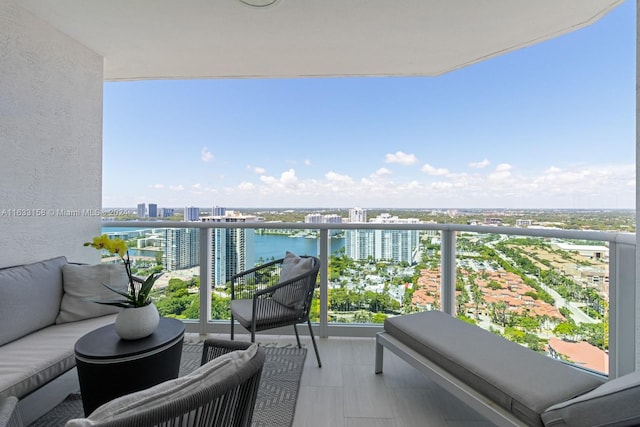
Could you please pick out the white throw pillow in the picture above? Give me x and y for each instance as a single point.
(293, 266)
(84, 282)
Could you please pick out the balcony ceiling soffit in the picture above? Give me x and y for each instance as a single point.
(167, 39)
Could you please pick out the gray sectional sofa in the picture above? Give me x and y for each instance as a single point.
(507, 383)
(43, 311)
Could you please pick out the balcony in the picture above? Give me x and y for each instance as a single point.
(57, 59)
(345, 391)
(618, 272)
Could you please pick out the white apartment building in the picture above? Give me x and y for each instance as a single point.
(357, 215)
(384, 245)
(231, 248)
(180, 248)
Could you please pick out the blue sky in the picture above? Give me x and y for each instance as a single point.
(549, 126)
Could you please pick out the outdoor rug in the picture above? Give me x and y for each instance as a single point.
(275, 404)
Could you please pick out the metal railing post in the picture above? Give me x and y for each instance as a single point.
(324, 282)
(448, 272)
(205, 280)
(622, 309)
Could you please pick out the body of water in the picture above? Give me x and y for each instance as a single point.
(270, 245)
(266, 246)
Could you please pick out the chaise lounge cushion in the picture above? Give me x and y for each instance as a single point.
(35, 291)
(516, 378)
(84, 282)
(613, 403)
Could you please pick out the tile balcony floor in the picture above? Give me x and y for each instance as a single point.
(345, 392)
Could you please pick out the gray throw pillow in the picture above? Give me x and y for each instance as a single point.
(293, 266)
(84, 282)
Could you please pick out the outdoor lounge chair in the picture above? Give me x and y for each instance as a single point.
(278, 293)
(221, 392)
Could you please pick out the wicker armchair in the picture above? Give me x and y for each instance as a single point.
(259, 301)
(9, 413)
(221, 393)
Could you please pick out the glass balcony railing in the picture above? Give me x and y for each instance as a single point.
(568, 293)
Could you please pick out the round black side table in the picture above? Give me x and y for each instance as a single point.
(109, 367)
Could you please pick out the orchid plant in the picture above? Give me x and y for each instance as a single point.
(138, 292)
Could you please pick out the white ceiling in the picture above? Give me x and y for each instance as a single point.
(158, 39)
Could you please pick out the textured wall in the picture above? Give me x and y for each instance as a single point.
(50, 141)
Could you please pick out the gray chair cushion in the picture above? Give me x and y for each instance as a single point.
(518, 379)
(243, 312)
(616, 402)
(30, 296)
(83, 282)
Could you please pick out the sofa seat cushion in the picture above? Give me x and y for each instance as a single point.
(613, 403)
(31, 296)
(516, 378)
(32, 361)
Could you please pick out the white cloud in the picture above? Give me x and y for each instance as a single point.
(430, 170)
(401, 158)
(307, 162)
(338, 178)
(257, 169)
(381, 172)
(501, 172)
(289, 178)
(480, 165)
(246, 186)
(206, 155)
(505, 185)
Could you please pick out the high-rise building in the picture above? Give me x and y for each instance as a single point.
(231, 248)
(180, 248)
(357, 215)
(153, 210)
(142, 210)
(191, 213)
(316, 218)
(384, 245)
(218, 211)
(167, 212)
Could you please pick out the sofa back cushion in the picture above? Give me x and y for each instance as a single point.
(613, 403)
(30, 297)
(82, 283)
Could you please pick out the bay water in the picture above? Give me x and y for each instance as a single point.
(266, 246)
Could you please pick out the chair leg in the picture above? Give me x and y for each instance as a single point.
(315, 347)
(297, 336)
(232, 327)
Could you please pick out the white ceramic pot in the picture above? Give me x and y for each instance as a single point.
(136, 323)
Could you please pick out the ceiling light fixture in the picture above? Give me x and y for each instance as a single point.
(258, 3)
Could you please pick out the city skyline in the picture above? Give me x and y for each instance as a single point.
(549, 126)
